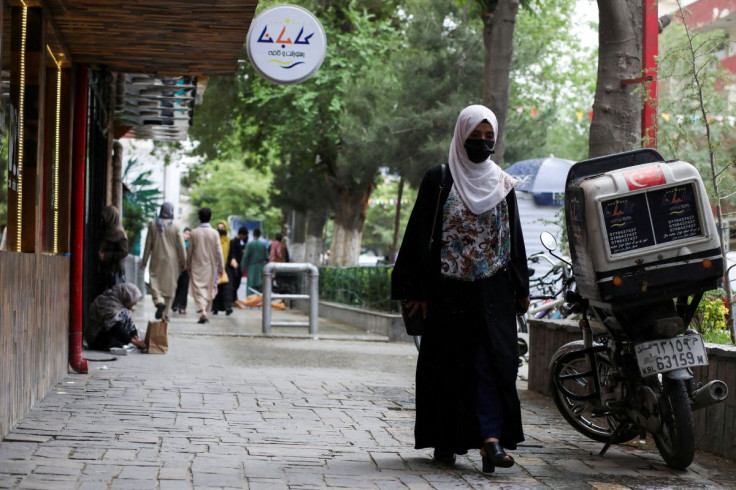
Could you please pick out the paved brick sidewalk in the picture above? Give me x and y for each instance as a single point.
(224, 411)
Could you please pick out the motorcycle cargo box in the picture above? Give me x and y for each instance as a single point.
(640, 228)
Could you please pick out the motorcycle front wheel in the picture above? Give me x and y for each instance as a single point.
(573, 390)
(676, 440)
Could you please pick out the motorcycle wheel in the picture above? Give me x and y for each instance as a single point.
(676, 440)
(580, 413)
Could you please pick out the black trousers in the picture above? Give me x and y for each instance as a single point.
(182, 289)
(224, 299)
(118, 335)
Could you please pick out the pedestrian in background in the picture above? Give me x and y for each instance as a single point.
(462, 266)
(113, 249)
(234, 272)
(254, 259)
(277, 250)
(182, 285)
(224, 299)
(165, 249)
(204, 263)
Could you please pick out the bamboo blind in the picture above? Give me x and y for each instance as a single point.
(172, 37)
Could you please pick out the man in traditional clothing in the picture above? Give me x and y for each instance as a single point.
(254, 259)
(165, 248)
(205, 264)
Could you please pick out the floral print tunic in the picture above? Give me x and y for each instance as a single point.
(474, 246)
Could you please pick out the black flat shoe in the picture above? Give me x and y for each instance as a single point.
(160, 310)
(203, 319)
(444, 457)
(229, 311)
(494, 455)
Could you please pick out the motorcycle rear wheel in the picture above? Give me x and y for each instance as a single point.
(676, 440)
(580, 413)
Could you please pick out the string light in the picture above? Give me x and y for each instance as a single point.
(21, 121)
(56, 159)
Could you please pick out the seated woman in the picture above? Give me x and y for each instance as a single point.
(110, 321)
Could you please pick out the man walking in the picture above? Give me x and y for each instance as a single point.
(254, 258)
(165, 248)
(205, 264)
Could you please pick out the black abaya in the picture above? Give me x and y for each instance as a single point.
(461, 316)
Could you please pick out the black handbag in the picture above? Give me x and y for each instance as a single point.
(414, 324)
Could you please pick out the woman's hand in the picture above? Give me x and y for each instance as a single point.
(522, 305)
(414, 306)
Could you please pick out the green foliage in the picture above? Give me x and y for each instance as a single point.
(364, 287)
(684, 135)
(133, 222)
(388, 94)
(141, 203)
(710, 319)
(554, 73)
(378, 231)
(304, 132)
(228, 187)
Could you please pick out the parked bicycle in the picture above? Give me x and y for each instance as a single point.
(546, 294)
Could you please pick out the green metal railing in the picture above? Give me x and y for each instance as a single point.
(363, 287)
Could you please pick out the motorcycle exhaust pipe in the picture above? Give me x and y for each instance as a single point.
(714, 392)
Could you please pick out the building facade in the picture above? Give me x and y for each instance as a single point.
(75, 77)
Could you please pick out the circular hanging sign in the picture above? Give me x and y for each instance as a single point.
(286, 44)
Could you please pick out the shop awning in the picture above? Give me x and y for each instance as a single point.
(162, 50)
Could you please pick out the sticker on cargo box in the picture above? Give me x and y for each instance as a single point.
(627, 223)
(645, 177)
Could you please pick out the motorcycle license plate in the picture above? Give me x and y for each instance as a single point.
(660, 356)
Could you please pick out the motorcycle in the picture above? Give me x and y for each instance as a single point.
(631, 372)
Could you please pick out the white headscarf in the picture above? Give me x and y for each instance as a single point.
(481, 185)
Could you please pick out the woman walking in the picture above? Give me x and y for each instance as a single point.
(462, 266)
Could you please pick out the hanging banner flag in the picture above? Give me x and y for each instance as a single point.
(579, 114)
(534, 113)
(666, 116)
(286, 44)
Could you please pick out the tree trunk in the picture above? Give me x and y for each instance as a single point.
(397, 223)
(498, 39)
(315, 226)
(347, 230)
(297, 247)
(616, 125)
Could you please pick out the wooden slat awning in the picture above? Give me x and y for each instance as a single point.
(165, 37)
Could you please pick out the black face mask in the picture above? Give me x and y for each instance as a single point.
(222, 232)
(479, 150)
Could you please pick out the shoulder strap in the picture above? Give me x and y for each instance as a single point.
(437, 208)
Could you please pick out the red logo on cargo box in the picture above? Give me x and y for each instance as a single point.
(645, 177)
